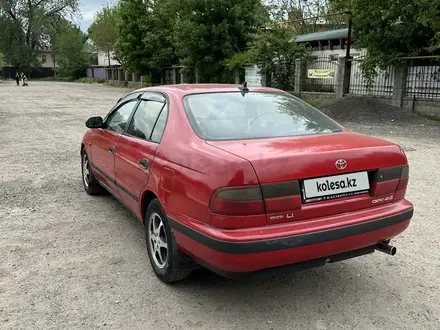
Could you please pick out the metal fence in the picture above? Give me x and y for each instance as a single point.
(382, 84)
(423, 79)
(168, 73)
(321, 74)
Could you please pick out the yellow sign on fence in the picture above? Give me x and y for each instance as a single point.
(321, 73)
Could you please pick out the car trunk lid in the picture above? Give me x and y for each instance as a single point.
(296, 173)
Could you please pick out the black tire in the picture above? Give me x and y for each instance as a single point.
(92, 186)
(175, 267)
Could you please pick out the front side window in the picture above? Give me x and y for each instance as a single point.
(254, 115)
(145, 118)
(117, 121)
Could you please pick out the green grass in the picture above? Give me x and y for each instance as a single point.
(429, 116)
(314, 101)
(90, 81)
(65, 79)
(130, 85)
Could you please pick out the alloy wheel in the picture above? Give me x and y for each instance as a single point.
(157, 238)
(86, 170)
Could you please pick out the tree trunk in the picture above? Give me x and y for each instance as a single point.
(54, 65)
(197, 75)
(108, 56)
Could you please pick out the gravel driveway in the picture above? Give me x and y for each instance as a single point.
(71, 261)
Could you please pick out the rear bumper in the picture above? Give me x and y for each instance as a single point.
(240, 253)
(286, 269)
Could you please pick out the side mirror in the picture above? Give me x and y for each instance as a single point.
(95, 122)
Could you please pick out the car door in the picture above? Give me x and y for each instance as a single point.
(137, 148)
(105, 142)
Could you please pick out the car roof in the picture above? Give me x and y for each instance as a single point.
(186, 89)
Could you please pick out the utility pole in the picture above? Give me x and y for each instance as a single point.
(347, 69)
(350, 23)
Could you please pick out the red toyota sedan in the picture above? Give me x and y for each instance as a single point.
(247, 182)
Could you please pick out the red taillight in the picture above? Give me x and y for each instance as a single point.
(404, 178)
(389, 180)
(282, 196)
(245, 200)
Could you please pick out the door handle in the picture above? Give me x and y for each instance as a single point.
(111, 149)
(143, 164)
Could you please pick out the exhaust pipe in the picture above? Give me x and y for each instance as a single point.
(386, 248)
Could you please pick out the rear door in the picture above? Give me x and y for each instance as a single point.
(137, 147)
(105, 142)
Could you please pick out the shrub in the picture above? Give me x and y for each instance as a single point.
(65, 79)
(90, 81)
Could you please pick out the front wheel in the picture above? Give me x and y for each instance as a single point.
(167, 262)
(91, 185)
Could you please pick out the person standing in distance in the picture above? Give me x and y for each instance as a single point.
(17, 79)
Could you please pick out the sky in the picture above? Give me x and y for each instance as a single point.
(89, 8)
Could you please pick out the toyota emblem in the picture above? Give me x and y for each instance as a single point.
(341, 164)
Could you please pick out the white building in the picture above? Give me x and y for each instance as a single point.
(103, 59)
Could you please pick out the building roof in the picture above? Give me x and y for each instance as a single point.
(326, 35)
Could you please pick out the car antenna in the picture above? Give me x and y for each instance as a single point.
(243, 88)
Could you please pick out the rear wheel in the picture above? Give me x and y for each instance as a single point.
(91, 185)
(167, 262)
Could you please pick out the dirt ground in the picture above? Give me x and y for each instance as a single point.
(71, 261)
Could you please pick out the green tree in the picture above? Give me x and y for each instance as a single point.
(133, 25)
(275, 54)
(103, 31)
(12, 45)
(70, 50)
(391, 29)
(145, 35)
(2, 60)
(208, 33)
(25, 26)
(159, 39)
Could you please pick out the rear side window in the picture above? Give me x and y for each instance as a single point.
(256, 115)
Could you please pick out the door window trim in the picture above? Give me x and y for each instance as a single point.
(154, 97)
(123, 100)
(155, 123)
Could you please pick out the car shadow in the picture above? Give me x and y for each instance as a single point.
(203, 277)
(328, 289)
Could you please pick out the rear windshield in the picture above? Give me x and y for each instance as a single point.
(256, 115)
